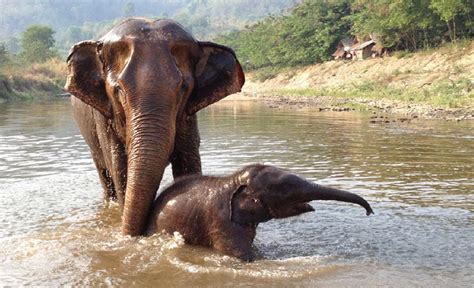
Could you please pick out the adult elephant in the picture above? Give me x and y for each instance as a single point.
(135, 95)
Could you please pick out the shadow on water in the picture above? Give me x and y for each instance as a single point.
(418, 177)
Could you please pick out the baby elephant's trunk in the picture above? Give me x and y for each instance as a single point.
(319, 192)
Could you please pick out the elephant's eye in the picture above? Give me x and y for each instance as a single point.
(100, 52)
(119, 92)
(184, 88)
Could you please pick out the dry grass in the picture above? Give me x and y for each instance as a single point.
(447, 94)
(35, 81)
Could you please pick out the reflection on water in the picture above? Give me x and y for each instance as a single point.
(418, 177)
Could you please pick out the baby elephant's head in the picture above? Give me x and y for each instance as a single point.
(269, 192)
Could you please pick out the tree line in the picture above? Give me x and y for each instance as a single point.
(74, 21)
(37, 45)
(65, 23)
(310, 33)
(307, 34)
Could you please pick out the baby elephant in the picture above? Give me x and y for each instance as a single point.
(223, 212)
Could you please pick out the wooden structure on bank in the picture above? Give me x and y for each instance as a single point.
(352, 49)
(343, 48)
(362, 50)
(379, 50)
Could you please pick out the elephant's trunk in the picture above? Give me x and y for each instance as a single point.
(151, 122)
(151, 144)
(319, 192)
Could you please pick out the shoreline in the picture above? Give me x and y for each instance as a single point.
(384, 108)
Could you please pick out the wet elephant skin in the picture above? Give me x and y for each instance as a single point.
(135, 94)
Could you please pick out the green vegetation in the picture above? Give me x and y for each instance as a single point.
(311, 32)
(3, 55)
(450, 10)
(304, 37)
(36, 72)
(129, 9)
(37, 42)
(411, 25)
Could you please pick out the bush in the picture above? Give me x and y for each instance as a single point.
(37, 44)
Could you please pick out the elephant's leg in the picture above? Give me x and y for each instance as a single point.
(185, 159)
(105, 180)
(114, 156)
(84, 117)
(104, 175)
(237, 242)
(119, 170)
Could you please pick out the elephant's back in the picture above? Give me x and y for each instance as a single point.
(179, 207)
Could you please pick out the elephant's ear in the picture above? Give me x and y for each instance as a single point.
(85, 78)
(218, 74)
(246, 208)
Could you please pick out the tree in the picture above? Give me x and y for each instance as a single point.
(3, 55)
(447, 11)
(13, 45)
(73, 35)
(308, 35)
(37, 43)
(312, 30)
(129, 9)
(396, 23)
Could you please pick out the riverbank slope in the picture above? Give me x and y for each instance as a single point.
(437, 83)
(33, 82)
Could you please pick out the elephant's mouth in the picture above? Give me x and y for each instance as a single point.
(303, 207)
(292, 210)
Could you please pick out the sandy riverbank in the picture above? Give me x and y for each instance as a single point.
(382, 107)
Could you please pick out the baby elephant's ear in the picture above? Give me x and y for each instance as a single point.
(246, 208)
(85, 78)
(217, 74)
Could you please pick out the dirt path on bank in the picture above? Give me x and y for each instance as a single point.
(418, 72)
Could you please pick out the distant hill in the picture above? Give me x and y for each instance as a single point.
(78, 20)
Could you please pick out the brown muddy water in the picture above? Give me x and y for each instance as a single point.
(55, 230)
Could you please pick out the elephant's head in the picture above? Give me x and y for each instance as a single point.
(267, 192)
(144, 77)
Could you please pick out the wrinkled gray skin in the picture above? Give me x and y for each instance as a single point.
(135, 94)
(223, 212)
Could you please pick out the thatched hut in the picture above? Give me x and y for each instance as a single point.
(343, 48)
(353, 48)
(362, 50)
(378, 50)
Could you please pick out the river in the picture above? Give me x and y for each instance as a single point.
(418, 177)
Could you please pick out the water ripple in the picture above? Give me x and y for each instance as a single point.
(418, 177)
